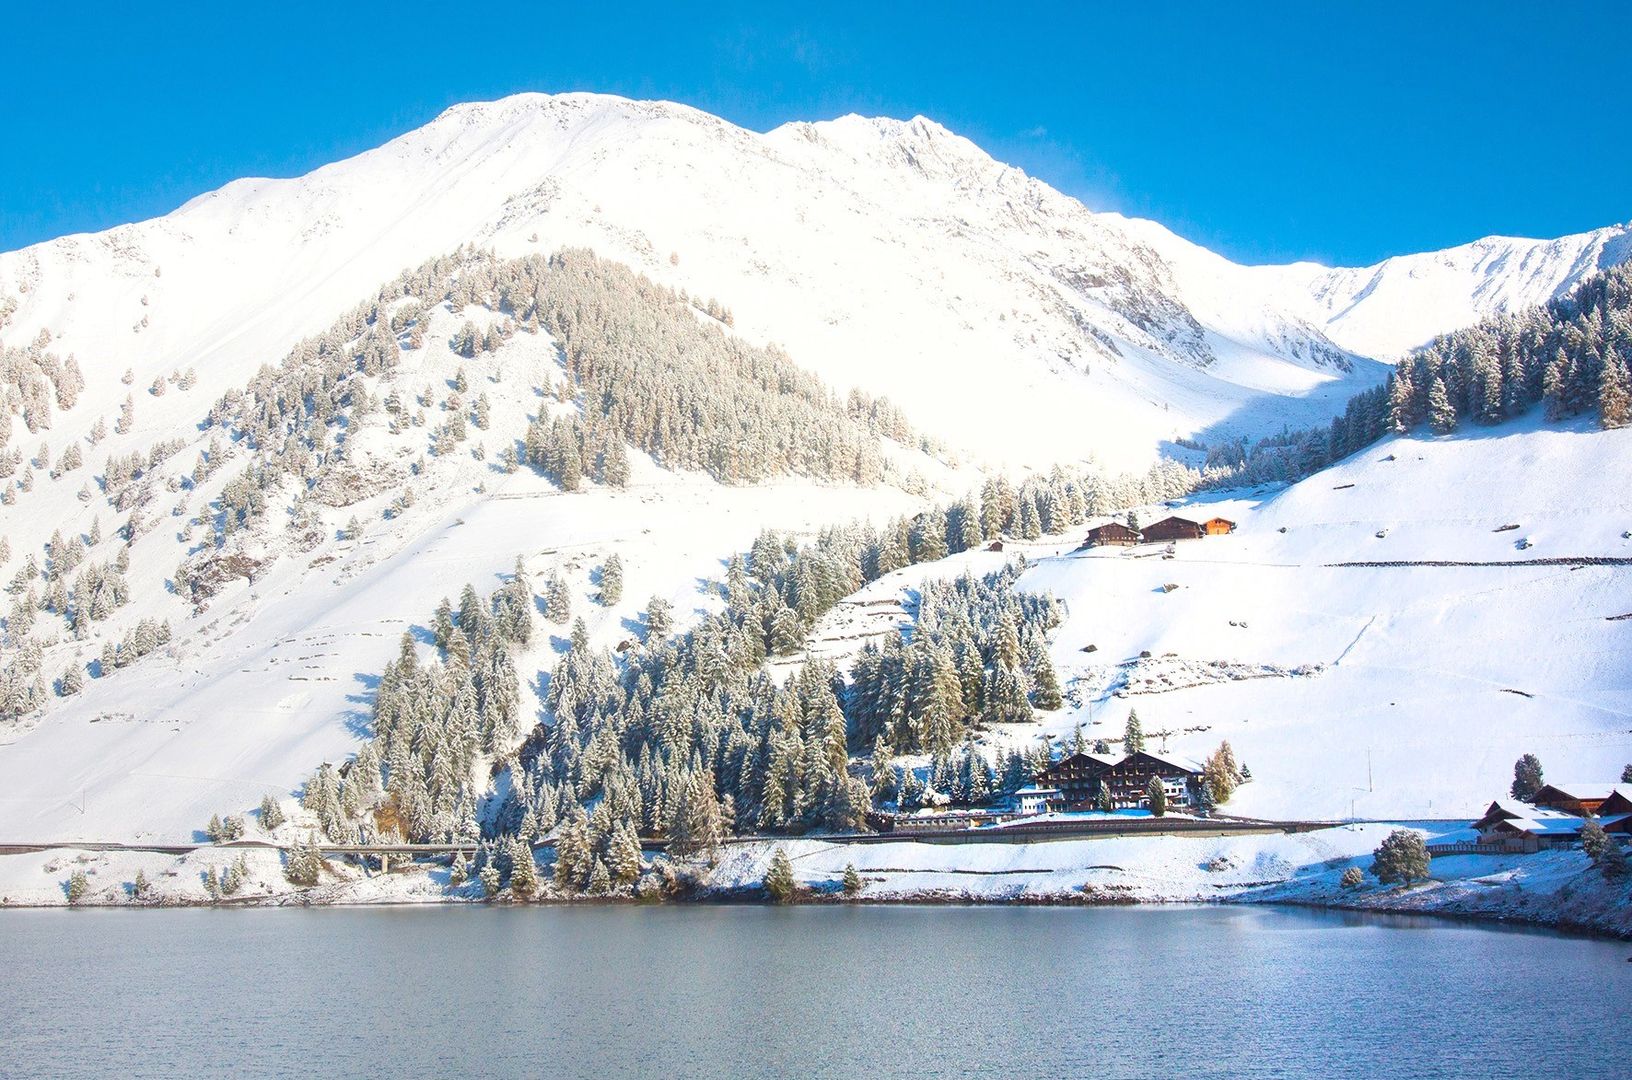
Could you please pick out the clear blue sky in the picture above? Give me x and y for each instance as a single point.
(1310, 130)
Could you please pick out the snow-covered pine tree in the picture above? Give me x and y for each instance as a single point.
(1527, 779)
(779, 881)
(1441, 414)
(611, 580)
(523, 871)
(1133, 734)
(1156, 796)
(1615, 393)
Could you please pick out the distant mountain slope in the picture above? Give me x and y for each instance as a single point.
(894, 256)
(1404, 302)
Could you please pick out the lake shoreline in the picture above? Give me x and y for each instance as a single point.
(1588, 928)
(1554, 889)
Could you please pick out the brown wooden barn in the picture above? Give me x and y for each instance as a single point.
(1579, 799)
(1114, 533)
(1218, 526)
(1618, 802)
(1173, 528)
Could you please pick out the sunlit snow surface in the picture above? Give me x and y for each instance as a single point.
(1006, 319)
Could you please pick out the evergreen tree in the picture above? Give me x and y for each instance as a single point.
(304, 863)
(1615, 393)
(1526, 778)
(852, 881)
(659, 618)
(557, 600)
(623, 856)
(1045, 685)
(78, 886)
(1133, 734)
(779, 880)
(611, 580)
(1594, 839)
(523, 871)
(1613, 861)
(1441, 414)
(1156, 796)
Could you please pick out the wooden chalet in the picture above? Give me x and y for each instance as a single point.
(1580, 799)
(1218, 526)
(1076, 778)
(1618, 802)
(1173, 528)
(1129, 780)
(1115, 533)
(1521, 827)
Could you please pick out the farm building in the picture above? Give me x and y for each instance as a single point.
(1618, 802)
(1580, 799)
(1218, 526)
(1520, 827)
(1173, 528)
(1115, 533)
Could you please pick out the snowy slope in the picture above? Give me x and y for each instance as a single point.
(892, 255)
(1404, 302)
(1006, 318)
(275, 676)
(1383, 691)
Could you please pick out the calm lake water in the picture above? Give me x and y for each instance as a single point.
(804, 991)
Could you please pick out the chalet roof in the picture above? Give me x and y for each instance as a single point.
(1185, 764)
(1581, 789)
(1034, 790)
(1562, 825)
(1174, 518)
(1513, 810)
(1097, 759)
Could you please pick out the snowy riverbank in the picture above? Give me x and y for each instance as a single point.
(1552, 888)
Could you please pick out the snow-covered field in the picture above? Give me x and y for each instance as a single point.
(1372, 691)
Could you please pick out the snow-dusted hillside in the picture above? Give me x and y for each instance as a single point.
(1009, 321)
(892, 255)
(1350, 674)
(1404, 302)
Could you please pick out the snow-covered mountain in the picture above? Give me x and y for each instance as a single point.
(896, 256)
(1008, 321)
